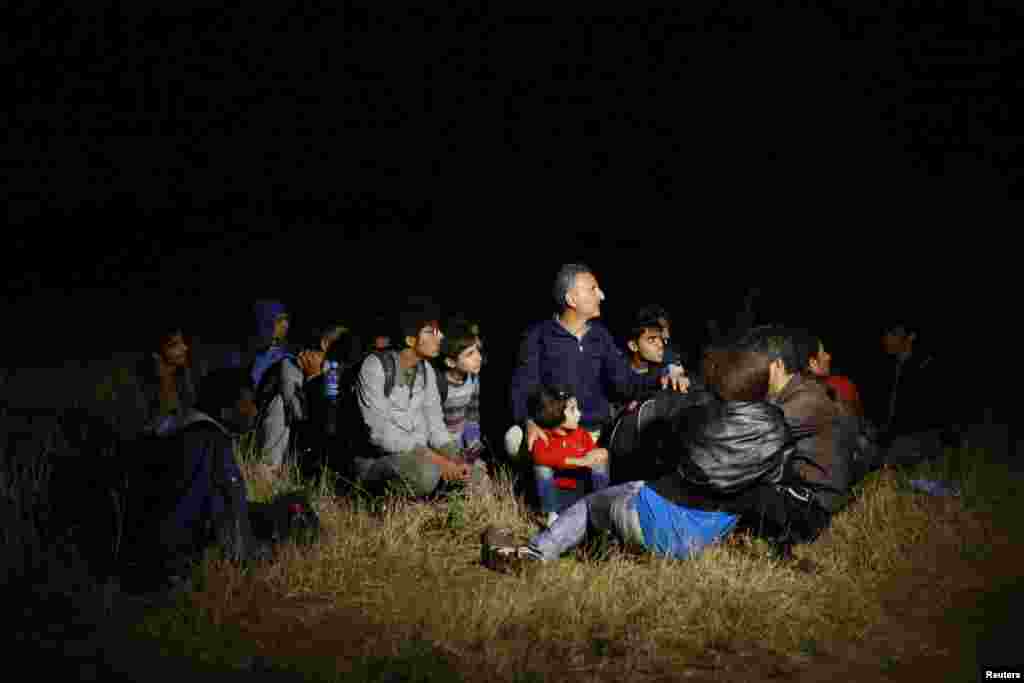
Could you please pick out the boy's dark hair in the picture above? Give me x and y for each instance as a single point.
(410, 321)
(737, 375)
(546, 406)
(642, 322)
(458, 337)
(807, 344)
(161, 334)
(654, 312)
(774, 341)
(899, 327)
(221, 389)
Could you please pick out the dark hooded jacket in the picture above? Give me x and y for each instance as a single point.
(266, 353)
(187, 490)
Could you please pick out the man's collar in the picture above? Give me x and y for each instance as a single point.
(583, 332)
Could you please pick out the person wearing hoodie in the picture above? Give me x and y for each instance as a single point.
(271, 341)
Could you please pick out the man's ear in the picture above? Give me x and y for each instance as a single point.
(410, 342)
(632, 346)
(449, 362)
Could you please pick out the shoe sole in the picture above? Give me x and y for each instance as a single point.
(491, 541)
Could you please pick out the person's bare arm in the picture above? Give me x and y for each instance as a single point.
(450, 470)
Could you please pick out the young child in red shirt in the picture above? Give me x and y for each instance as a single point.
(568, 464)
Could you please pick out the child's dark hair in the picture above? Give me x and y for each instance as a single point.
(457, 338)
(547, 405)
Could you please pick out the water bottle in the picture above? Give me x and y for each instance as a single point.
(331, 394)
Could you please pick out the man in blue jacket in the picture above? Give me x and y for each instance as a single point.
(573, 350)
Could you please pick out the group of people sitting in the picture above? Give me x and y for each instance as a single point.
(761, 435)
(623, 435)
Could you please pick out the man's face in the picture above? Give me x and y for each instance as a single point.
(174, 352)
(281, 327)
(649, 346)
(428, 341)
(586, 296)
(469, 361)
(821, 362)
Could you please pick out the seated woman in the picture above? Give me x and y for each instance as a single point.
(678, 515)
(569, 464)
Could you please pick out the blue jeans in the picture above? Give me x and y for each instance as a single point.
(611, 509)
(554, 499)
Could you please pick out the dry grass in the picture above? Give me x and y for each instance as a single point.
(407, 572)
(396, 586)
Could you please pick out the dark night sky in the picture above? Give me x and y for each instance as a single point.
(856, 159)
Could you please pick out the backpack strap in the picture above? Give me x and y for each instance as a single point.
(390, 364)
(442, 383)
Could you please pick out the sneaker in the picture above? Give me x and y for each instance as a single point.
(500, 552)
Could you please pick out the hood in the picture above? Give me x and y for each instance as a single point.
(266, 313)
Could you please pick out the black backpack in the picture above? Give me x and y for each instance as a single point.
(289, 517)
(646, 442)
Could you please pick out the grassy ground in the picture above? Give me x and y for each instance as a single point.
(397, 586)
(906, 584)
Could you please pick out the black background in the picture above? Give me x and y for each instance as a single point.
(854, 162)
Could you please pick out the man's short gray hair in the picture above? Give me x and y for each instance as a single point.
(566, 280)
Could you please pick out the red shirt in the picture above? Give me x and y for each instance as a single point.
(575, 444)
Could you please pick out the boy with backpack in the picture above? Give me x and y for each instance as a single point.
(402, 420)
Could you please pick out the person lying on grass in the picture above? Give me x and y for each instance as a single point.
(736, 442)
(568, 462)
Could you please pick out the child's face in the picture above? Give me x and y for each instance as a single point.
(470, 360)
(572, 415)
